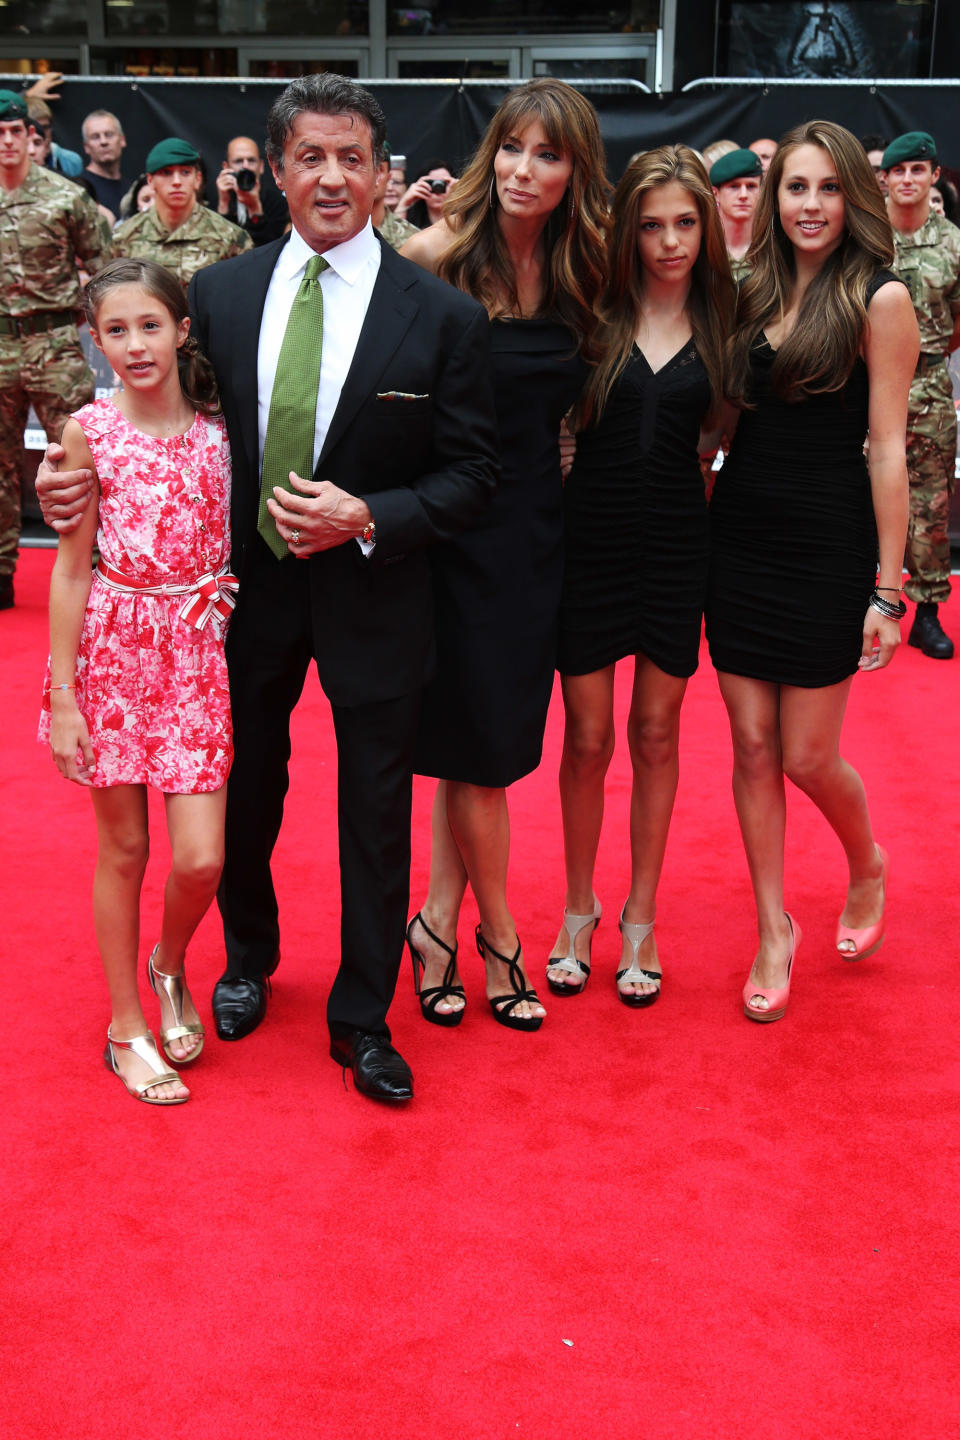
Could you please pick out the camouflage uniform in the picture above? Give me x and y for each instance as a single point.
(929, 262)
(46, 225)
(396, 232)
(739, 269)
(201, 240)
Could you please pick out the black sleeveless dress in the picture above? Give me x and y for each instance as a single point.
(794, 539)
(635, 523)
(497, 586)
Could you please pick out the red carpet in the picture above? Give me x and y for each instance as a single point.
(662, 1225)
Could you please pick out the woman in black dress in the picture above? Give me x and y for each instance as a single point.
(524, 234)
(636, 540)
(823, 353)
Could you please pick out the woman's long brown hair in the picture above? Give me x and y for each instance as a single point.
(478, 261)
(819, 353)
(711, 300)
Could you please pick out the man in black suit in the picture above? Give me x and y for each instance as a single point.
(405, 455)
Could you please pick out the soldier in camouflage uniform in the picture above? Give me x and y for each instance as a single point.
(736, 181)
(395, 232)
(928, 260)
(178, 232)
(47, 225)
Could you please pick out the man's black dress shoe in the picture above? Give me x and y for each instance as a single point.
(239, 1004)
(378, 1070)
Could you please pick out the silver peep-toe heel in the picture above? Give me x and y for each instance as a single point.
(569, 963)
(634, 974)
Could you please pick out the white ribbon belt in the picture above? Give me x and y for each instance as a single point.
(212, 597)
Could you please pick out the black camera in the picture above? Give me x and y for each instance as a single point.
(246, 179)
(438, 187)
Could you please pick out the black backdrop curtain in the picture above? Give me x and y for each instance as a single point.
(447, 120)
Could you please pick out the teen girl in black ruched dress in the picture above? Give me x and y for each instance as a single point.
(636, 540)
(823, 354)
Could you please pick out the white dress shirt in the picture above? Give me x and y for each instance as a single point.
(347, 288)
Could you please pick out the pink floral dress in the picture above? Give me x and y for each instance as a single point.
(152, 686)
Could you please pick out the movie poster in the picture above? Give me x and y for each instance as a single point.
(829, 39)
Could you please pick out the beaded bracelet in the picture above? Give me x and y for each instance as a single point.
(887, 608)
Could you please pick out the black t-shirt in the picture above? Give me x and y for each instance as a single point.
(108, 192)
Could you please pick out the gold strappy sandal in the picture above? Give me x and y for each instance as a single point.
(173, 987)
(145, 1048)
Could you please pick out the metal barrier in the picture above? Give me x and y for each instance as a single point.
(765, 83)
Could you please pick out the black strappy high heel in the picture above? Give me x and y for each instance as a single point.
(503, 1005)
(435, 994)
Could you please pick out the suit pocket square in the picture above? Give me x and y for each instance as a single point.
(401, 395)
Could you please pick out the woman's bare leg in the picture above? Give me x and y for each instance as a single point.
(195, 827)
(122, 849)
(653, 731)
(480, 825)
(441, 908)
(588, 741)
(810, 725)
(753, 707)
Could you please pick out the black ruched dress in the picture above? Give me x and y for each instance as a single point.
(635, 523)
(794, 538)
(497, 586)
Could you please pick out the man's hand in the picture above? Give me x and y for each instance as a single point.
(227, 186)
(251, 199)
(45, 87)
(63, 494)
(318, 518)
(419, 190)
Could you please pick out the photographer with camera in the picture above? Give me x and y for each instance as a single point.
(262, 213)
(423, 202)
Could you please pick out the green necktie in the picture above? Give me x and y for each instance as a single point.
(293, 404)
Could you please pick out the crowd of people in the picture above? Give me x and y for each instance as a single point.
(399, 434)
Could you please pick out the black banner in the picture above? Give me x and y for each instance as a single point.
(448, 120)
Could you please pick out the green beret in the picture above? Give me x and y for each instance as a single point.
(171, 152)
(735, 166)
(915, 145)
(13, 106)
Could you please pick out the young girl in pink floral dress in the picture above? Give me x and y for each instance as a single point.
(136, 691)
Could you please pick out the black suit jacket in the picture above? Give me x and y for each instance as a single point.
(426, 467)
